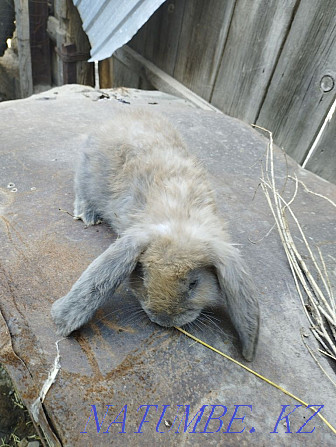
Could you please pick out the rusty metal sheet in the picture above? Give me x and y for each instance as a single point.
(114, 368)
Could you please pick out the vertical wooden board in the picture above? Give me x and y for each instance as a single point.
(122, 76)
(203, 35)
(105, 70)
(296, 104)
(39, 42)
(257, 32)
(158, 39)
(323, 159)
(138, 41)
(22, 30)
(60, 11)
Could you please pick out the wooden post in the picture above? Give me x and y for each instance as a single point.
(105, 69)
(23, 38)
(39, 42)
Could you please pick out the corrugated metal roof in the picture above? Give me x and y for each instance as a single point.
(110, 24)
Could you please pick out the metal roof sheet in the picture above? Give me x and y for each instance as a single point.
(110, 24)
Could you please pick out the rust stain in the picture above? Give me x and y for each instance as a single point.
(113, 325)
(92, 388)
(85, 345)
(104, 345)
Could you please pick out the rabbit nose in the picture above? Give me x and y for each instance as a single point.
(164, 319)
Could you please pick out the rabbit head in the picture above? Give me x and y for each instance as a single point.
(177, 277)
(174, 281)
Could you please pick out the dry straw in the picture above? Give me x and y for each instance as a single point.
(318, 301)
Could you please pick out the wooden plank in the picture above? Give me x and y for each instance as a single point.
(203, 36)
(105, 71)
(323, 159)
(114, 73)
(158, 78)
(158, 39)
(23, 39)
(60, 11)
(296, 102)
(257, 32)
(122, 75)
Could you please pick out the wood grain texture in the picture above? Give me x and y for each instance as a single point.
(295, 105)
(157, 78)
(39, 42)
(262, 62)
(158, 40)
(323, 159)
(65, 28)
(257, 32)
(74, 27)
(203, 36)
(105, 70)
(23, 38)
(122, 75)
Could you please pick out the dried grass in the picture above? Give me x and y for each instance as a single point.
(318, 301)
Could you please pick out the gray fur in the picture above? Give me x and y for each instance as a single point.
(96, 285)
(173, 248)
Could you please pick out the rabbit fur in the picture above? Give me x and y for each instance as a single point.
(172, 246)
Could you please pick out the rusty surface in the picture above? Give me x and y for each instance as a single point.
(121, 360)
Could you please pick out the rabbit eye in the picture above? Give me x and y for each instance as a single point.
(193, 284)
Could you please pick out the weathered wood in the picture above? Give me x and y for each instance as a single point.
(158, 40)
(123, 75)
(202, 40)
(323, 159)
(76, 35)
(66, 29)
(158, 78)
(61, 38)
(39, 42)
(257, 32)
(23, 38)
(296, 101)
(263, 62)
(105, 70)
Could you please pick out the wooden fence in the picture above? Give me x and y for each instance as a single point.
(269, 62)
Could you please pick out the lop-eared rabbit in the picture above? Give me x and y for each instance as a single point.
(172, 244)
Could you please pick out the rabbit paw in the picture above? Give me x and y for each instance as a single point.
(86, 213)
(66, 316)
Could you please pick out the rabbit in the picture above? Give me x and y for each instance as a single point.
(172, 245)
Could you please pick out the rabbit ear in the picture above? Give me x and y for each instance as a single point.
(97, 283)
(240, 295)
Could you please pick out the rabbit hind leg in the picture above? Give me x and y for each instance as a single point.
(84, 206)
(84, 211)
